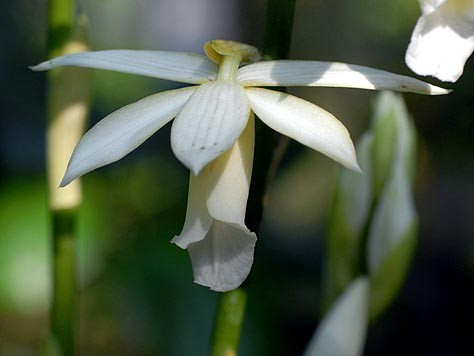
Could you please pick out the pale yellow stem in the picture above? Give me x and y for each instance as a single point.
(67, 112)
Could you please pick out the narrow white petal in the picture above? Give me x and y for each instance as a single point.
(329, 74)
(230, 180)
(209, 123)
(177, 66)
(342, 331)
(124, 130)
(304, 122)
(441, 43)
(198, 221)
(222, 261)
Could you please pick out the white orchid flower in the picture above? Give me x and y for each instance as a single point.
(213, 133)
(443, 38)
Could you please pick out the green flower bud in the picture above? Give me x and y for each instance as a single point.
(350, 210)
(393, 229)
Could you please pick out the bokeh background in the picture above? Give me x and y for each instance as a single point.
(136, 291)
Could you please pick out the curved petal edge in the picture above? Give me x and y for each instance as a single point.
(222, 261)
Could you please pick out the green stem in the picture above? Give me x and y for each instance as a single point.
(269, 150)
(228, 323)
(60, 22)
(62, 314)
(67, 108)
(278, 28)
(64, 281)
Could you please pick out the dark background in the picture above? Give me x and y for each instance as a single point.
(137, 295)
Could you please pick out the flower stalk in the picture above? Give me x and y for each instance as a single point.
(228, 323)
(67, 110)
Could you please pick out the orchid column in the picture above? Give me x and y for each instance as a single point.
(67, 109)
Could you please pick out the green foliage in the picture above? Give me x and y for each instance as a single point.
(24, 271)
(24, 282)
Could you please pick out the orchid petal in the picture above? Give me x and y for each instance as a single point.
(230, 180)
(224, 258)
(198, 221)
(209, 123)
(179, 67)
(329, 74)
(442, 41)
(304, 122)
(124, 130)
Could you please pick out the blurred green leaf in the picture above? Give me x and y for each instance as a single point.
(49, 347)
(24, 252)
(342, 332)
(25, 247)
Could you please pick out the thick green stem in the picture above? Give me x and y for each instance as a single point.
(228, 323)
(60, 22)
(64, 280)
(67, 109)
(278, 28)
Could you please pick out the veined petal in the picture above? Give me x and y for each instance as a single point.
(198, 221)
(329, 74)
(441, 42)
(304, 122)
(209, 123)
(224, 258)
(124, 130)
(230, 180)
(177, 66)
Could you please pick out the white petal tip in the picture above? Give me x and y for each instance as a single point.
(434, 90)
(357, 169)
(178, 242)
(350, 161)
(40, 67)
(197, 167)
(354, 167)
(68, 178)
(65, 181)
(197, 160)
